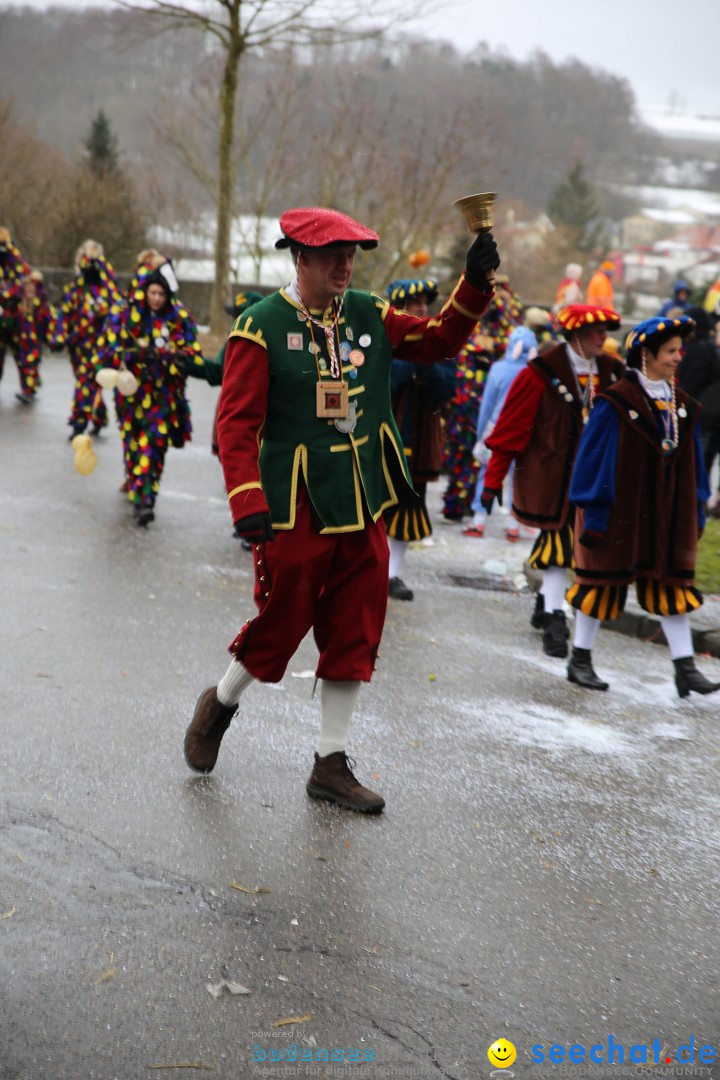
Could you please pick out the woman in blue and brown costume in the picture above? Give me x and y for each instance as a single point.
(640, 486)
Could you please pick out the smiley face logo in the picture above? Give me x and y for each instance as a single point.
(501, 1054)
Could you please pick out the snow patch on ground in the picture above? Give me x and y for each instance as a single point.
(549, 728)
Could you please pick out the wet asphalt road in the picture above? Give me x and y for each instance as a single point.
(546, 869)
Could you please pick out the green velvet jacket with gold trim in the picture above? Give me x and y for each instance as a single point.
(268, 432)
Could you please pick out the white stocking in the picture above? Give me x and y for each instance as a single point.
(398, 549)
(553, 588)
(679, 635)
(586, 629)
(337, 702)
(234, 681)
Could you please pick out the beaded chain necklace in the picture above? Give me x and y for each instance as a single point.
(668, 415)
(588, 394)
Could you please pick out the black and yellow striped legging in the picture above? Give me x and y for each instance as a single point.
(553, 547)
(606, 602)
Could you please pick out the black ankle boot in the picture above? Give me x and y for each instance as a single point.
(398, 590)
(581, 671)
(538, 619)
(687, 678)
(145, 514)
(555, 634)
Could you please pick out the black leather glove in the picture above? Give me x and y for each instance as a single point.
(481, 260)
(488, 497)
(592, 538)
(257, 527)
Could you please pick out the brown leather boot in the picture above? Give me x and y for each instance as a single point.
(209, 723)
(332, 779)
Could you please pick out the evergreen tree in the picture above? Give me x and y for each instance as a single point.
(99, 200)
(102, 146)
(573, 209)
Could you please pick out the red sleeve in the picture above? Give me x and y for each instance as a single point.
(439, 337)
(514, 426)
(241, 418)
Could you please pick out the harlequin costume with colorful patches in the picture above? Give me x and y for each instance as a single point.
(86, 303)
(538, 428)
(153, 345)
(312, 459)
(13, 269)
(418, 395)
(486, 344)
(36, 325)
(640, 487)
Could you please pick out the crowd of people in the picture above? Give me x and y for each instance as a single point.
(140, 344)
(336, 409)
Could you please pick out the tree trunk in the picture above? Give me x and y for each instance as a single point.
(226, 179)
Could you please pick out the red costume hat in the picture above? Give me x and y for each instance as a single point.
(316, 227)
(576, 316)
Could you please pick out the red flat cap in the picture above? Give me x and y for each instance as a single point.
(575, 316)
(315, 227)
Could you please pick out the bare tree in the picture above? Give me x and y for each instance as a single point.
(33, 178)
(396, 171)
(266, 150)
(243, 28)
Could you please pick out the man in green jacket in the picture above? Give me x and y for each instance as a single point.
(312, 458)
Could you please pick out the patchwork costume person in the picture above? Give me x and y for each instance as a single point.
(86, 303)
(418, 395)
(36, 325)
(13, 271)
(312, 460)
(151, 336)
(539, 428)
(640, 487)
(484, 347)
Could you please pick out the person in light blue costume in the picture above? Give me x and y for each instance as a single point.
(522, 347)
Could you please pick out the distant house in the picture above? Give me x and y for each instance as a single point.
(692, 252)
(651, 225)
(253, 258)
(644, 267)
(523, 237)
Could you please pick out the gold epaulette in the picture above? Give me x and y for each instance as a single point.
(381, 304)
(242, 327)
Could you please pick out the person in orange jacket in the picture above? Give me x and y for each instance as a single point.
(600, 288)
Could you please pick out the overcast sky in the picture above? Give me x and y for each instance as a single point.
(669, 50)
(665, 48)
